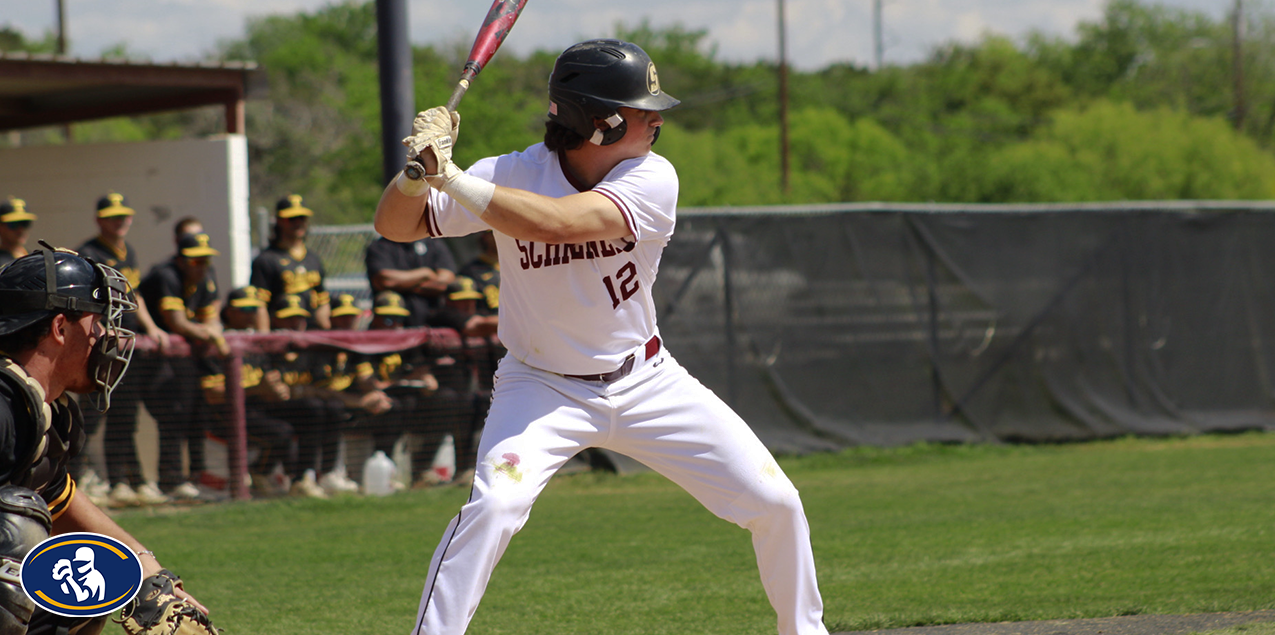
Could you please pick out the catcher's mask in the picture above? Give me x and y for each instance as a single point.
(594, 79)
(51, 281)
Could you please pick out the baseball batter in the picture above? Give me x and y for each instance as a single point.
(580, 223)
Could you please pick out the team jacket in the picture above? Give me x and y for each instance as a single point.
(276, 272)
(164, 289)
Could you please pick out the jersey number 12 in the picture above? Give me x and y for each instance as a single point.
(627, 277)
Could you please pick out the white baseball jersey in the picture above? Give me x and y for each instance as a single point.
(586, 309)
(576, 308)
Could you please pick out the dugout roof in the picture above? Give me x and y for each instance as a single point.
(46, 90)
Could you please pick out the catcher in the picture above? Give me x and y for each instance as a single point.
(60, 332)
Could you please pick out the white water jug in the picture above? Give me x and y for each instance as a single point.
(378, 475)
(445, 460)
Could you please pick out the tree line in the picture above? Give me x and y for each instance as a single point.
(1138, 104)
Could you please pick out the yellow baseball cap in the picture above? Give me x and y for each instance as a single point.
(245, 298)
(290, 207)
(14, 210)
(290, 305)
(345, 306)
(390, 303)
(113, 205)
(195, 246)
(463, 289)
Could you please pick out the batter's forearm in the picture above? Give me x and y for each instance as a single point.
(401, 218)
(571, 219)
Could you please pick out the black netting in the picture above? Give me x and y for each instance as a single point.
(892, 325)
(303, 405)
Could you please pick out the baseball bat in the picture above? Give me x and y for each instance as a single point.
(496, 26)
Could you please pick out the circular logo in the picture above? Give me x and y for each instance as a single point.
(81, 574)
(652, 79)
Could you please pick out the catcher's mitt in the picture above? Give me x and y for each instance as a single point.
(158, 611)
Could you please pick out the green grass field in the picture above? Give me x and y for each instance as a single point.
(919, 535)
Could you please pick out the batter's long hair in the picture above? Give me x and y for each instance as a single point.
(559, 137)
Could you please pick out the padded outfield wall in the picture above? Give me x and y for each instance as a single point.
(888, 324)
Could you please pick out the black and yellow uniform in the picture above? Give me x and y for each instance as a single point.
(36, 448)
(13, 213)
(124, 261)
(118, 446)
(315, 413)
(273, 435)
(485, 272)
(172, 396)
(25, 458)
(164, 289)
(276, 272)
(427, 414)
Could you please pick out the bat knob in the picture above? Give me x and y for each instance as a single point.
(414, 171)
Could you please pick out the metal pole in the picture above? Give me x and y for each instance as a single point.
(263, 229)
(394, 51)
(783, 102)
(932, 295)
(878, 43)
(1238, 63)
(237, 486)
(66, 128)
(61, 27)
(728, 293)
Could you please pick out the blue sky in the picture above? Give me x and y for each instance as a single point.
(820, 32)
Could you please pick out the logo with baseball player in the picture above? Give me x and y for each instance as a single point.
(81, 574)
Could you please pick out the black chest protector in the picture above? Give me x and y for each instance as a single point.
(57, 434)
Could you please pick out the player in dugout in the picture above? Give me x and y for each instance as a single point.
(114, 219)
(261, 384)
(186, 304)
(287, 267)
(580, 223)
(15, 229)
(318, 404)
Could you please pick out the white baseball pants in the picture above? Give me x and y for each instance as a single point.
(658, 415)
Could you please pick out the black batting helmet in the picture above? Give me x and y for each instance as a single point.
(594, 79)
(49, 281)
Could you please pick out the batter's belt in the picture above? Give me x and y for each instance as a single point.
(652, 348)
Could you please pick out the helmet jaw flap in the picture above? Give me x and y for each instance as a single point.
(594, 79)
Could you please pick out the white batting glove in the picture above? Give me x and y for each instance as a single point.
(435, 129)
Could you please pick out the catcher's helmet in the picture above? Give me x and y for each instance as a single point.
(594, 79)
(77, 284)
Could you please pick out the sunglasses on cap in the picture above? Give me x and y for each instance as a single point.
(18, 224)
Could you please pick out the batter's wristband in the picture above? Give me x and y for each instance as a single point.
(472, 192)
(409, 186)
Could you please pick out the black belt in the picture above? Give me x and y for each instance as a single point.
(652, 347)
